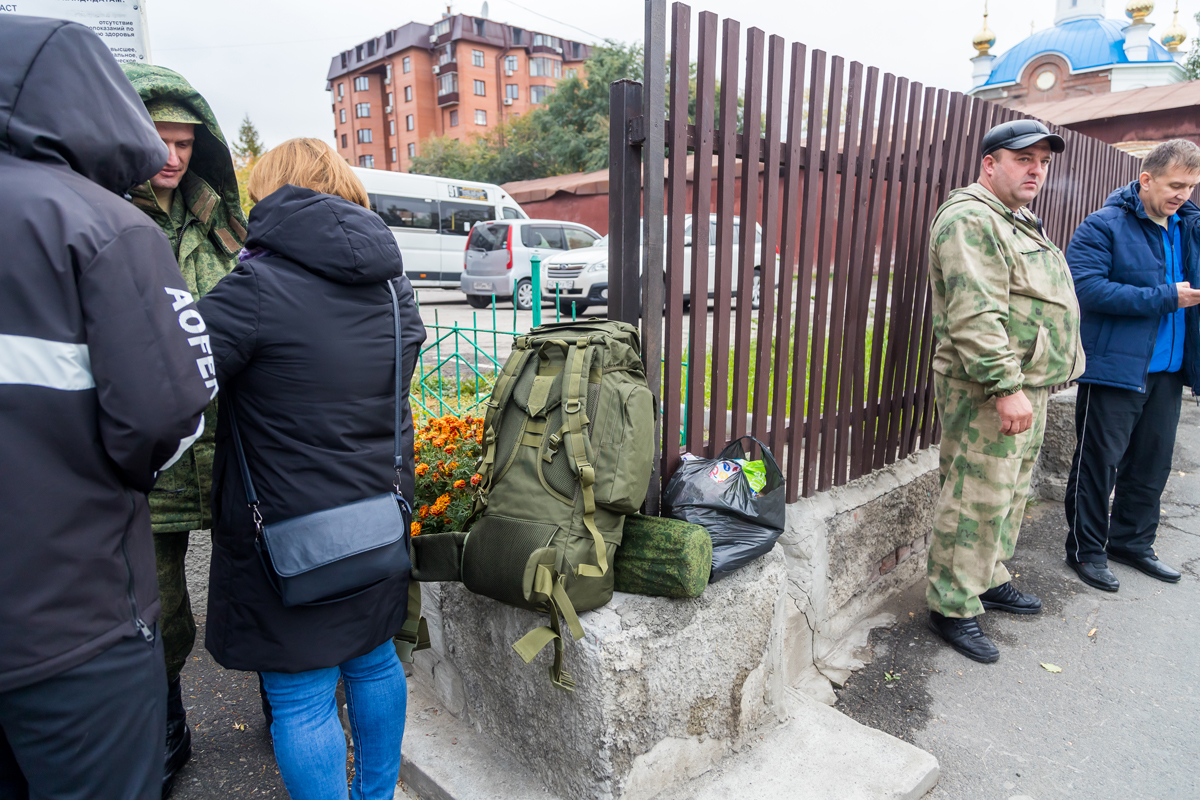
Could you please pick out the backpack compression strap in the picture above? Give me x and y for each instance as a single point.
(414, 635)
(495, 404)
(549, 584)
(574, 397)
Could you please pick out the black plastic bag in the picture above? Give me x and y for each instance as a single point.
(716, 493)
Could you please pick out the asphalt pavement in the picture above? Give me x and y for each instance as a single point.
(1121, 719)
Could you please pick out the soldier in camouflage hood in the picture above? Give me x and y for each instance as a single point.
(194, 199)
(1007, 327)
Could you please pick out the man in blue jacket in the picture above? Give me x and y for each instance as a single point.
(1135, 263)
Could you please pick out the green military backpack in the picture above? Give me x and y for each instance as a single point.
(567, 451)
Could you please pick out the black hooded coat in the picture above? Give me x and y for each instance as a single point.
(304, 342)
(102, 374)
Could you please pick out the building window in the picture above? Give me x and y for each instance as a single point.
(441, 27)
(480, 27)
(480, 117)
(362, 110)
(448, 83)
(408, 94)
(454, 118)
(341, 90)
(408, 123)
(538, 94)
(477, 58)
(480, 88)
(344, 57)
(343, 141)
(362, 83)
(576, 49)
(545, 68)
(389, 102)
(342, 115)
(392, 127)
(406, 64)
(445, 54)
(367, 161)
(364, 135)
(571, 73)
(511, 91)
(371, 47)
(358, 53)
(412, 149)
(510, 63)
(393, 155)
(518, 35)
(542, 40)
(390, 39)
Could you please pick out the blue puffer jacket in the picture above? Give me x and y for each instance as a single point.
(1118, 263)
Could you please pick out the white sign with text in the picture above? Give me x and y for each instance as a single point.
(120, 23)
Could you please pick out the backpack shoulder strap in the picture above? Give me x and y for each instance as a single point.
(575, 409)
(414, 634)
(495, 404)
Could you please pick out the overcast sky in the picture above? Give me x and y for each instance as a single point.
(269, 58)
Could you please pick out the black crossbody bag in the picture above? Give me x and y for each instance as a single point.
(335, 554)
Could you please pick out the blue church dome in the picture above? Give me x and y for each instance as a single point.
(1085, 43)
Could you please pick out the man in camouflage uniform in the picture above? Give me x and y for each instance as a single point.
(195, 201)
(1007, 327)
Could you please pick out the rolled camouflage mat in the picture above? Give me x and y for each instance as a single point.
(662, 557)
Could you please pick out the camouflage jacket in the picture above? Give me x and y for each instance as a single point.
(1004, 307)
(206, 230)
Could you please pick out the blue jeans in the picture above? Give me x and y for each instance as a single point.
(310, 747)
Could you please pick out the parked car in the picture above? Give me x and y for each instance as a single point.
(496, 261)
(431, 219)
(580, 277)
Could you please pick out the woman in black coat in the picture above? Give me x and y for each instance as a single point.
(302, 334)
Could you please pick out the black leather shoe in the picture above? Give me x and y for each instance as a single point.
(1005, 598)
(179, 737)
(1098, 576)
(1148, 564)
(965, 636)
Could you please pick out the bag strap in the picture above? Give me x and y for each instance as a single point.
(398, 460)
(768, 456)
(574, 405)
(414, 634)
(495, 405)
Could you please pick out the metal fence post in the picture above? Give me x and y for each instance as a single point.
(625, 137)
(535, 275)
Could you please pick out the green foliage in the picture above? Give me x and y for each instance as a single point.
(247, 149)
(1191, 66)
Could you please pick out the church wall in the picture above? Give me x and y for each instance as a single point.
(1065, 87)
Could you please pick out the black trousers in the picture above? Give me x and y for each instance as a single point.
(1125, 439)
(94, 732)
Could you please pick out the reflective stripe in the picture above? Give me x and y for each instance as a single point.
(42, 362)
(184, 444)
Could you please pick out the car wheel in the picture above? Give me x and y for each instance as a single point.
(565, 304)
(479, 300)
(523, 295)
(756, 290)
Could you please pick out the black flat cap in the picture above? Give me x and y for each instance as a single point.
(1019, 134)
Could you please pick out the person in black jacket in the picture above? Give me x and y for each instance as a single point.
(103, 378)
(1136, 265)
(304, 340)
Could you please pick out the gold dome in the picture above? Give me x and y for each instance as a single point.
(1175, 35)
(985, 39)
(1138, 10)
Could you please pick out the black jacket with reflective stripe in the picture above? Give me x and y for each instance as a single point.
(102, 374)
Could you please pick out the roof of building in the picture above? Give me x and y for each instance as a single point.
(1118, 104)
(544, 188)
(1085, 43)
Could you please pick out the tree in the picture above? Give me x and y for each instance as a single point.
(247, 149)
(1192, 65)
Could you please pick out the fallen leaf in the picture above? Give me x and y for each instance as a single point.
(1092, 632)
(1051, 668)
(237, 726)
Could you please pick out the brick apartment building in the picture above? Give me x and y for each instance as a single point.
(458, 77)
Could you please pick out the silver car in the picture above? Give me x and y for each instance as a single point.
(496, 261)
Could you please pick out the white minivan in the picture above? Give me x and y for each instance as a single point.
(431, 219)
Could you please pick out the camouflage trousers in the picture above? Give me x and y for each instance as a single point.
(985, 484)
(177, 626)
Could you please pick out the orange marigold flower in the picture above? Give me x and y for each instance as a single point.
(453, 465)
(447, 520)
(450, 448)
(415, 528)
(460, 484)
(422, 469)
(476, 478)
(423, 512)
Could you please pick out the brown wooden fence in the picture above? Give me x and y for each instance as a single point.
(832, 370)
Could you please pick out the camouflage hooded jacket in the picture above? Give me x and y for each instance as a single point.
(1004, 306)
(206, 240)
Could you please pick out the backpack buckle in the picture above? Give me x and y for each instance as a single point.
(552, 444)
(572, 406)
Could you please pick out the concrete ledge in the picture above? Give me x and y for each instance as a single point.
(1049, 479)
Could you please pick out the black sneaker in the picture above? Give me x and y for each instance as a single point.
(1005, 598)
(965, 636)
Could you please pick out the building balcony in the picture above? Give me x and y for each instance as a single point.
(448, 99)
(449, 66)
